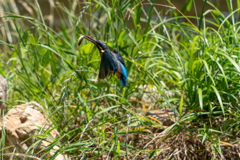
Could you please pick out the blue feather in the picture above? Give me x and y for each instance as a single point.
(123, 77)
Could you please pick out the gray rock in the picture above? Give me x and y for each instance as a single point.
(20, 125)
(3, 93)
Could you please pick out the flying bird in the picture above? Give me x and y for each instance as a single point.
(110, 60)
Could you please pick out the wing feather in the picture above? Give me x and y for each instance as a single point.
(103, 71)
(119, 56)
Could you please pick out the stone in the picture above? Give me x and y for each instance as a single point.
(3, 93)
(20, 124)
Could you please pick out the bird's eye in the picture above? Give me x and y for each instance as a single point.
(102, 51)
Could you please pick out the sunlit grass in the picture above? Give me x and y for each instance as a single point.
(199, 67)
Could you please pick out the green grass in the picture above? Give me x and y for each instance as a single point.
(200, 67)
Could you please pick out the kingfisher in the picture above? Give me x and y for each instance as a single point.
(110, 60)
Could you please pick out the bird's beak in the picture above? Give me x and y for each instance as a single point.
(94, 41)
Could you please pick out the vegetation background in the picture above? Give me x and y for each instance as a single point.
(192, 69)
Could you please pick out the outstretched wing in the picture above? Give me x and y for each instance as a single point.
(103, 71)
(110, 60)
(119, 56)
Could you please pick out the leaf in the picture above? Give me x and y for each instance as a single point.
(231, 60)
(25, 36)
(150, 13)
(152, 153)
(181, 104)
(189, 5)
(18, 16)
(107, 109)
(200, 97)
(219, 98)
(105, 8)
(238, 6)
(106, 95)
(201, 17)
(118, 147)
(204, 137)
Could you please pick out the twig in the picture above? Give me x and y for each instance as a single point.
(183, 15)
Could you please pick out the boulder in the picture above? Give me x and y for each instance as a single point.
(20, 125)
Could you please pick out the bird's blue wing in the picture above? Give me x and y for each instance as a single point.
(123, 77)
(103, 71)
(111, 61)
(118, 56)
(121, 67)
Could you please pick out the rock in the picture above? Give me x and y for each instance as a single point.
(21, 123)
(3, 93)
(162, 115)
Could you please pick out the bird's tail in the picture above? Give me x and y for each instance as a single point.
(123, 77)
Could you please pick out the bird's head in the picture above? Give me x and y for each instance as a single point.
(98, 43)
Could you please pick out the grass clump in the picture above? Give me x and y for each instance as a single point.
(191, 71)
